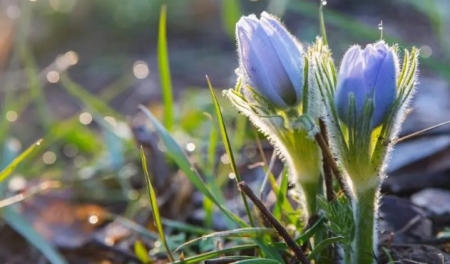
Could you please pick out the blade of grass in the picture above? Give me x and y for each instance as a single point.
(7, 171)
(303, 238)
(155, 208)
(88, 99)
(177, 154)
(321, 246)
(209, 169)
(23, 227)
(281, 197)
(135, 227)
(141, 252)
(36, 88)
(164, 70)
(218, 253)
(241, 232)
(226, 142)
(257, 261)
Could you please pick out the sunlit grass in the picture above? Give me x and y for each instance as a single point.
(101, 153)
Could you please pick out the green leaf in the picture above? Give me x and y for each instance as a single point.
(141, 252)
(257, 261)
(177, 154)
(241, 232)
(10, 168)
(213, 254)
(311, 231)
(321, 246)
(155, 208)
(88, 99)
(226, 142)
(164, 70)
(23, 227)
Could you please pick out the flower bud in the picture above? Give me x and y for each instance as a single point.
(368, 74)
(270, 60)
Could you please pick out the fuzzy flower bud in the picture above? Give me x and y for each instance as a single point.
(270, 60)
(367, 74)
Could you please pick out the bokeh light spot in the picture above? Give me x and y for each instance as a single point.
(140, 69)
(426, 51)
(11, 116)
(52, 76)
(85, 118)
(49, 157)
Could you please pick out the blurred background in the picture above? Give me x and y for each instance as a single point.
(74, 71)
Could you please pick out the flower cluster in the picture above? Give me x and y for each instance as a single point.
(287, 92)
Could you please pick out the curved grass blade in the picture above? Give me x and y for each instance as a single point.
(177, 154)
(214, 254)
(155, 208)
(164, 69)
(85, 97)
(23, 227)
(226, 142)
(7, 171)
(241, 232)
(141, 252)
(322, 245)
(311, 231)
(257, 261)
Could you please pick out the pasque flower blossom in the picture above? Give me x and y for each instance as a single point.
(270, 60)
(368, 74)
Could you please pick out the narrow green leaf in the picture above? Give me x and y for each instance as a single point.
(281, 196)
(310, 232)
(9, 169)
(141, 252)
(257, 261)
(230, 15)
(206, 256)
(321, 246)
(136, 227)
(241, 232)
(36, 88)
(177, 154)
(164, 70)
(155, 208)
(226, 142)
(23, 227)
(88, 99)
(210, 179)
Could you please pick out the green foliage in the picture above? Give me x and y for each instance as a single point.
(155, 206)
(105, 154)
(164, 70)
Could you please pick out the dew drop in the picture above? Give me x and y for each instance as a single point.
(380, 25)
(323, 2)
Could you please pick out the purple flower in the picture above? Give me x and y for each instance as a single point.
(371, 74)
(270, 60)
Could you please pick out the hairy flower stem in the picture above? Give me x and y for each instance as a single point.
(304, 161)
(365, 210)
(310, 191)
